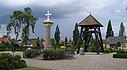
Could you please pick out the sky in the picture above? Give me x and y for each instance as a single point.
(66, 13)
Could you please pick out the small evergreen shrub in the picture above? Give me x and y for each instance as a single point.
(120, 55)
(9, 62)
(31, 53)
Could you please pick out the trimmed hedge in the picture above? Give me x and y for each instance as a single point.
(120, 55)
(31, 53)
(19, 48)
(53, 54)
(9, 62)
(122, 51)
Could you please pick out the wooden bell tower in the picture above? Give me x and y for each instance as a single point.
(90, 26)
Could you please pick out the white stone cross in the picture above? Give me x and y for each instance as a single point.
(48, 14)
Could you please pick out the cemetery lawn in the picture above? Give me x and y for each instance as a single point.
(31, 68)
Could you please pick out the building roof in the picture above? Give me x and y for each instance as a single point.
(4, 39)
(60, 41)
(90, 21)
(115, 40)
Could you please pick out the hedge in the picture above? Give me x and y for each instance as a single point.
(53, 54)
(31, 53)
(120, 55)
(122, 51)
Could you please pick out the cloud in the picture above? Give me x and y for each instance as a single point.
(45, 3)
(67, 12)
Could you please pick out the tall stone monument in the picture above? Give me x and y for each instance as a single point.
(47, 23)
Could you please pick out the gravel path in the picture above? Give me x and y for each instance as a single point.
(89, 61)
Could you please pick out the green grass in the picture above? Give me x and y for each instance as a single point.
(31, 68)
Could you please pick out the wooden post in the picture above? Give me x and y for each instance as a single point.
(80, 41)
(101, 40)
(96, 37)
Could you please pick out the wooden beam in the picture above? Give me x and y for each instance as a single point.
(80, 40)
(96, 38)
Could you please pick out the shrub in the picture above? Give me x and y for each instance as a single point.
(120, 55)
(92, 49)
(17, 57)
(31, 53)
(53, 54)
(8, 62)
(121, 51)
(107, 50)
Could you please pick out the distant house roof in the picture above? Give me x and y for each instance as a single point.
(90, 21)
(61, 41)
(4, 39)
(115, 40)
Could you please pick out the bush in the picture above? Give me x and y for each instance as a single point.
(53, 54)
(31, 53)
(120, 55)
(107, 50)
(92, 49)
(8, 62)
(121, 51)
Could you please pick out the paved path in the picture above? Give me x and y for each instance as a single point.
(89, 61)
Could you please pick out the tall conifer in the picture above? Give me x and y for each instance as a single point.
(75, 34)
(122, 30)
(109, 32)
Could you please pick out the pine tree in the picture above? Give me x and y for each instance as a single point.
(75, 34)
(57, 35)
(122, 30)
(109, 32)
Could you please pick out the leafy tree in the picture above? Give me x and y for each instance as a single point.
(21, 21)
(57, 35)
(75, 35)
(5, 36)
(122, 30)
(12, 41)
(109, 32)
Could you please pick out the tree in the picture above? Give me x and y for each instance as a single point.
(76, 35)
(118, 45)
(52, 40)
(122, 30)
(57, 35)
(109, 32)
(65, 41)
(21, 21)
(5, 36)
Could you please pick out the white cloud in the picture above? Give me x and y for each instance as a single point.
(117, 11)
(47, 3)
(14, 3)
(3, 30)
